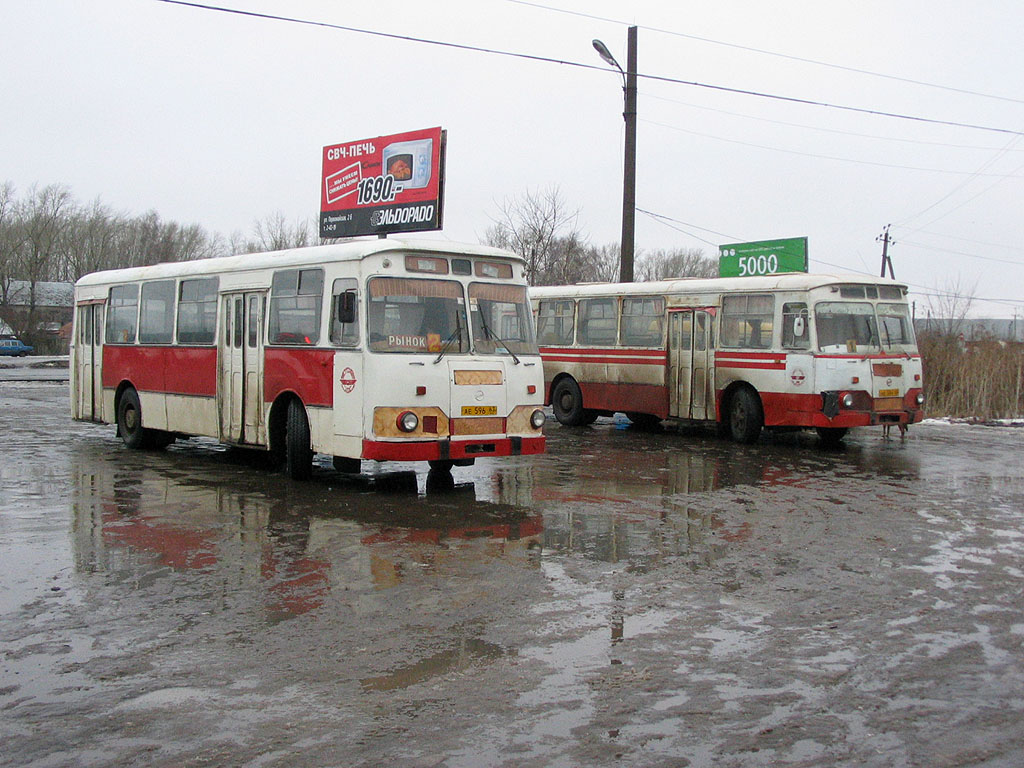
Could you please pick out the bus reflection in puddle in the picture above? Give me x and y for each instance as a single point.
(286, 545)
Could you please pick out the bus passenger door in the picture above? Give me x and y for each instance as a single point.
(702, 400)
(241, 369)
(691, 373)
(680, 361)
(88, 357)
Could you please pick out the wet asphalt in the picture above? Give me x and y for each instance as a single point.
(629, 598)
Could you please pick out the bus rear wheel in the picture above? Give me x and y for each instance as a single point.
(298, 446)
(746, 417)
(830, 437)
(644, 421)
(567, 404)
(129, 420)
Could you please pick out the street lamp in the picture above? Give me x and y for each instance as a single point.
(629, 162)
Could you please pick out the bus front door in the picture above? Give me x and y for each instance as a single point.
(88, 357)
(241, 370)
(691, 368)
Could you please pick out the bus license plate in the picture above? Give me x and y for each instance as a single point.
(479, 410)
(888, 393)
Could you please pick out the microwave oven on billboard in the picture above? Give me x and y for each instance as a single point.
(409, 162)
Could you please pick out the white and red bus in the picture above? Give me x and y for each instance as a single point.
(381, 349)
(783, 351)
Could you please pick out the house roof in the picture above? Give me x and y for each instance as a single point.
(47, 294)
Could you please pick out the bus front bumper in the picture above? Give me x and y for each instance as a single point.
(432, 450)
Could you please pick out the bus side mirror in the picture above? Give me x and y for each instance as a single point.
(345, 307)
(799, 327)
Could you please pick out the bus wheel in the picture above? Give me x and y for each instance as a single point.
(347, 465)
(441, 465)
(830, 437)
(567, 404)
(645, 421)
(129, 420)
(745, 416)
(298, 450)
(157, 439)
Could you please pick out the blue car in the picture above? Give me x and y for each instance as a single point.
(14, 347)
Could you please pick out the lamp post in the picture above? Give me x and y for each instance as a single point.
(629, 162)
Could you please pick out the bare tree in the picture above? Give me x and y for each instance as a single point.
(540, 228)
(10, 238)
(45, 214)
(276, 233)
(90, 242)
(948, 308)
(679, 262)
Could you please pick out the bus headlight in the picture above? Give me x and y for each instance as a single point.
(537, 419)
(848, 400)
(408, 421)
(920, 398)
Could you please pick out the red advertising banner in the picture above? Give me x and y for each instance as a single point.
(387, 184)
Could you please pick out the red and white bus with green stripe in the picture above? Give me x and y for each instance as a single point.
(382, 349)
(790, 351)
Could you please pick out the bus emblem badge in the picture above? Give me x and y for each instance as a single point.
(348, 380)
(797, 377)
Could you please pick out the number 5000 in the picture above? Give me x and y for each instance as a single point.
(759, 265)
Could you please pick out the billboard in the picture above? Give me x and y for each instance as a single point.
(387, 184)
(764, 257)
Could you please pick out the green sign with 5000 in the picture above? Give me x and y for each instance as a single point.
(765, 257)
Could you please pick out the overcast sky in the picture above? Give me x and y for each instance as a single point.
(219, 119)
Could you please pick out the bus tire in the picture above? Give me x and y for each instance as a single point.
(567, 404)
(298, 446)
(129, 420)
(158, 439)
(644, 421)
(347, 465)
(746, 416)
(441, 465)
(830, 437)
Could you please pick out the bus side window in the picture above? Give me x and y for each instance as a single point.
(295, 301)
(156, 323)
(795, 327)
(747, 321)
(642, 321)
(555, 322)
(345, 313)
(122, 314)
(197, 310)
(598, 321)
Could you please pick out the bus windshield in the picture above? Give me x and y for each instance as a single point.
(896, 328)
(846, 326)
(406, 314)
(502, 323)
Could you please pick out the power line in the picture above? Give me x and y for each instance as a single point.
(970, 174)
(748, 116)
(776, 54)
(912, 244)
(662, 219)
(578, 65)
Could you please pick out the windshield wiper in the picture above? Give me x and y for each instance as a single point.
(489, 333)
(448, 342)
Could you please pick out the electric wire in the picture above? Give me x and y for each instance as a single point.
(580, 65)
(805, 126)
(766, 52)
(970, 174)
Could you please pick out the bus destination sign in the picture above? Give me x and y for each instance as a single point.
(764, 257)
(387, 184)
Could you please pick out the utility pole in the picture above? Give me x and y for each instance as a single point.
(886, 258)
(629, 165)
(626, 249)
